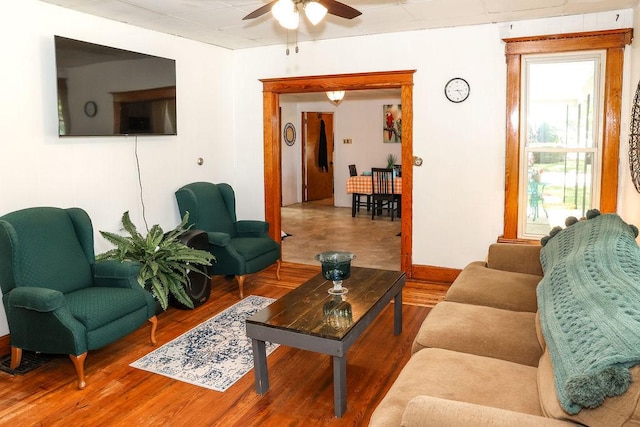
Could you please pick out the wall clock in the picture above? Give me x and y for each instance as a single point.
(634, 141)
(289, 134)
(457, 90)
(90, 109)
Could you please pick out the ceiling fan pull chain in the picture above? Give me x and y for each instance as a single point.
(287, 43)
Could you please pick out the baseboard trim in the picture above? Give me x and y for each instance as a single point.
(5, 345)
(433, 274)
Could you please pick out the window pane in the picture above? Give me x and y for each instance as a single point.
(560, 103)
(561, 113)
(559, 186)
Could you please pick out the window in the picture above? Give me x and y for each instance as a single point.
(560, 141)
(534, 139)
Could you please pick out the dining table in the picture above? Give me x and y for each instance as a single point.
(363, 184)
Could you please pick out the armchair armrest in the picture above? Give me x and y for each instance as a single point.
(433, 411)
(114, 273)
(252, 227)
(36, 299)
(218, 239)
(515, 257)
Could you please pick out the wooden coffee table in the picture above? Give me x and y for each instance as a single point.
(310, 318)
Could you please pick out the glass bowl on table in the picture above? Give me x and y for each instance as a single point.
(336, 266)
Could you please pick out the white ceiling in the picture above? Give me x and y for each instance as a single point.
(220, 22)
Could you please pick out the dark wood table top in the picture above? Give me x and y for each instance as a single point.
(303, 309)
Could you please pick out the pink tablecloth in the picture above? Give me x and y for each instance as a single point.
(362, 185)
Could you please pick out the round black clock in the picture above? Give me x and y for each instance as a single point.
(90, 109)
(457, 90)
(289, 134)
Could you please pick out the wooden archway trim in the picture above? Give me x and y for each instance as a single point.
(272, 88)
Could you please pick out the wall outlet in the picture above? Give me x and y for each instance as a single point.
(346, 141)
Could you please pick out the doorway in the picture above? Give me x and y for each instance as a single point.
(272, 88)
(317, 156)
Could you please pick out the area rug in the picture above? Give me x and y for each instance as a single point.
(214, 354)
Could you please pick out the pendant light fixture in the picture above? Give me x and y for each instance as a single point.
(336, 96)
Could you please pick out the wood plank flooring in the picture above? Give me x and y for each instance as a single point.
(301, 392)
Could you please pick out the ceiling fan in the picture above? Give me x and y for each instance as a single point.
(287, 12)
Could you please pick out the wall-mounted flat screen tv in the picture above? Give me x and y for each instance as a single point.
(105, 91)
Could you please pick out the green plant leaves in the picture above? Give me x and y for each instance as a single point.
(165, 260)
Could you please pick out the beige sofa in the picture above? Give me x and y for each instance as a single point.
(480, 357)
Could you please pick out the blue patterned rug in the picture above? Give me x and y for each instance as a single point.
(214, 354)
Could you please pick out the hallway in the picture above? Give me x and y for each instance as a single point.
(318, 226)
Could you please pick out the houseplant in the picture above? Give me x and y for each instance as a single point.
(164, 260)
(391, 160)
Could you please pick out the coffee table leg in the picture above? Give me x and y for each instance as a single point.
(260, 366)
(397, 314)
(339, 385)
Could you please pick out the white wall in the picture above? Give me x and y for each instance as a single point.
(99, 173)
(361, 121)
(459, 190)
(291, 155)
(357, 119)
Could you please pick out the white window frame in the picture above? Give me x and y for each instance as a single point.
(599, 56)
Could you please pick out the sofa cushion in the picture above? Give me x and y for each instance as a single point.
(427, 411)
(480, 285)
(515, 257)
(461, 377)
(96, 307)
(485, 331)
(615, 411)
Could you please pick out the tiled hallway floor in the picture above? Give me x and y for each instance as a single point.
(317, 227)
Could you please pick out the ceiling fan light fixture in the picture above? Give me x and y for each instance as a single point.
(282, 8)
(291, 20)
(336, 96)
(315, 12)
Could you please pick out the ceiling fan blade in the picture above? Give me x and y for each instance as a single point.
(340, 9)
(261, 10)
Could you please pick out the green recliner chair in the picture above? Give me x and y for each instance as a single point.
(57, 298)
(240, 247)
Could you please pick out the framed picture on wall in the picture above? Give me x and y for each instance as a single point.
(392, 123)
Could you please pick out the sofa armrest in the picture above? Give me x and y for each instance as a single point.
(217, 238)
(253, 228)
(35, 299)
(117, 274)
(432, 411)
(518, 258)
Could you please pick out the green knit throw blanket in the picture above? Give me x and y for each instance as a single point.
(589, 306)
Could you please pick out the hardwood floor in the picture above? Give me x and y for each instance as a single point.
(301, 392)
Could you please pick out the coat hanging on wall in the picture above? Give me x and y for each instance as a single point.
(323, 158)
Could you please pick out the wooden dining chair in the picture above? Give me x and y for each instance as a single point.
(383, 195)
(356, 198)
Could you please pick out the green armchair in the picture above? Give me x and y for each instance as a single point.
(57, 298)
(240, 247)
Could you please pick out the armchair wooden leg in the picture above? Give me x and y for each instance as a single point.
(78, 362)
(16, 357)
(278, 265)
(154, 326)
(240, 280)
